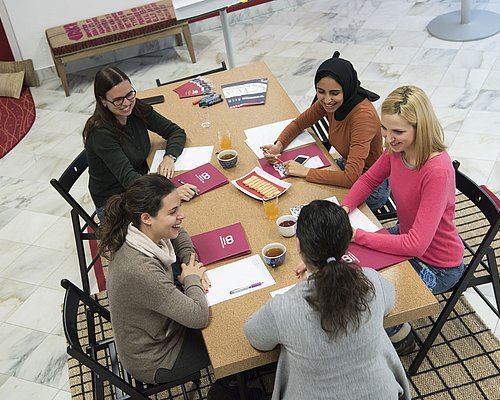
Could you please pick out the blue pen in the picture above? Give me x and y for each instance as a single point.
(241, 289)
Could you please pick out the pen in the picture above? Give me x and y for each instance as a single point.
(194, 190)
(275, 157)
(241, 289)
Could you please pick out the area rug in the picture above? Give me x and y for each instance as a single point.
(16, 118)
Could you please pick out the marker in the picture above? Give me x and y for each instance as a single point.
(241, 289)
(196, 193)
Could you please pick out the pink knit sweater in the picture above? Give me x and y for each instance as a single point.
(425, 201)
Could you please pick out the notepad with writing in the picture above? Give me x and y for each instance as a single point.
(371, 258)
(205, 177)
(222, 243)
(311, 150)
(245, 93)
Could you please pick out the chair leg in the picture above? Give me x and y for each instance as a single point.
(443, 316)
(495, 279)
(189, 42)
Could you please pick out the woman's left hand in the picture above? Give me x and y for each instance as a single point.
(167, 167)
(293, 168)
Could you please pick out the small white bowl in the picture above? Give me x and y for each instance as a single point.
(287, 231)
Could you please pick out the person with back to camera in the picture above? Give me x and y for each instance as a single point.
(330, 325)
(117, 142)
(156, 326)
(354, 129)
(423, 185)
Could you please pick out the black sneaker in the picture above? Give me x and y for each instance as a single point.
(406, 345)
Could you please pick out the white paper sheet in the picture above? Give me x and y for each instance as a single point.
(238, 274)
(356, 217)
(281, 291)
(191, 158)
(266, 134)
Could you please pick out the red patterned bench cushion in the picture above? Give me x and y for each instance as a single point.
(111, 28)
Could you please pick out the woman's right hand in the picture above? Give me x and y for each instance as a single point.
(192, 268)
(272, 151)
(300, 271)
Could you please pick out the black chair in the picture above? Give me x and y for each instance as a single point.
(90, 342)
(477, 220)
(84, 225)
(223, 67)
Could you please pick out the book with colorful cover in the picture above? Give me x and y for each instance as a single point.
(205, 177)
(371, 258)
(245, 93)
(195, 87)
(222, 243)
(317, 160)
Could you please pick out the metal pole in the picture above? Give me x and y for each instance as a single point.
(465, 12)
(227, 37)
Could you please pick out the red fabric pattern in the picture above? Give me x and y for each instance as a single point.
(16, 118)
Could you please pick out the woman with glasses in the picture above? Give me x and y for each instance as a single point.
(117, 141)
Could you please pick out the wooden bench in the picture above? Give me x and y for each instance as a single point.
(98, 35)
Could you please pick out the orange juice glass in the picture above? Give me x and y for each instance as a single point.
(225, 140)
(271, 207)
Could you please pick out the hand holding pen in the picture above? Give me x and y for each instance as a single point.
(272, 152)
(187, 191)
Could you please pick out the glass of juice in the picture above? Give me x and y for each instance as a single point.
(224, 136)
(271, 207)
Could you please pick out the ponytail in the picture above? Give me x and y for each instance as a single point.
(339, 290)
(113, 232)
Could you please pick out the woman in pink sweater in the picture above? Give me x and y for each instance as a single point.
(422, 180)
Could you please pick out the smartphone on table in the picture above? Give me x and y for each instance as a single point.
(301, 159)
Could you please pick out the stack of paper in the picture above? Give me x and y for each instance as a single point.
(219, 244)
(239, 275)
(206, 177)
(267, 134)
(190, 158)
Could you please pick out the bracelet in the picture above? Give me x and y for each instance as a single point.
(172, 157)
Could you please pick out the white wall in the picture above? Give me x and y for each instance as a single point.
(29, 19)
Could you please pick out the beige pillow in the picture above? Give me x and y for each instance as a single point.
(11, 84)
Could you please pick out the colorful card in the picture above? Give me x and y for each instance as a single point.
(317, 160)
(206, 177)
(222, 243)
(195, 87)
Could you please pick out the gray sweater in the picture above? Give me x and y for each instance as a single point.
(361, 365)
(149, 315)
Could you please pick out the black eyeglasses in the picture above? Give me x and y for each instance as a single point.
(119, 100)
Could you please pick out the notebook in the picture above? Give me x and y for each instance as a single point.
(371, 258)
(222, 243)
(205, 177)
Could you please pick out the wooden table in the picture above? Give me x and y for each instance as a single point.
(227, 346)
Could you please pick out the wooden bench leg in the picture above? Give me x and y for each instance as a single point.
(189, 42)
(178, 38)
(61, 71)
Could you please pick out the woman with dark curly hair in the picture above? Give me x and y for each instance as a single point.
(330, 326)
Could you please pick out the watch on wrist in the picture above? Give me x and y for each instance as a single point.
(172, 157)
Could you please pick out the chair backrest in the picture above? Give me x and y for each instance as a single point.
(223, 67)
(320, 128)
(98, 351)
(84, 225)
(478, 222)
(66, 181)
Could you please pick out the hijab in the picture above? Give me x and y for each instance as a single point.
(344, 73)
